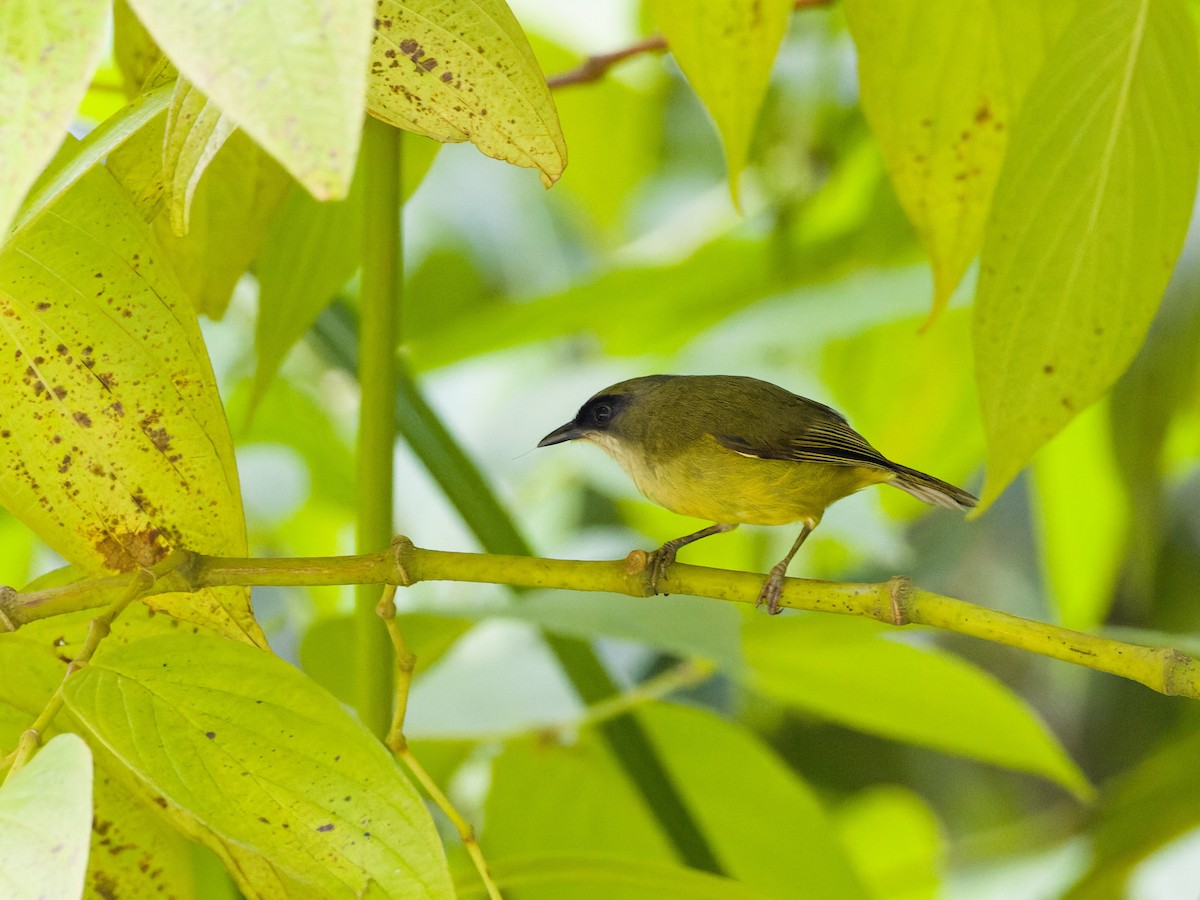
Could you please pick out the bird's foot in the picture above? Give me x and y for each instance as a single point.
(661, 560)
(771, 590)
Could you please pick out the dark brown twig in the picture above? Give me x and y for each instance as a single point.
(596, 67)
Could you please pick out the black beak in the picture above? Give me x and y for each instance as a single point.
(568, 432)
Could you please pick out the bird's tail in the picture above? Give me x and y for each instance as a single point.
(932, 490)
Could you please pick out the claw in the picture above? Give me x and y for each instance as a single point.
(660, 560)
(770, 592)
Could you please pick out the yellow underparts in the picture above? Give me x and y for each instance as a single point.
(711, 482)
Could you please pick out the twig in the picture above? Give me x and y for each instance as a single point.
(595, 67)
(398, 743)
(895, 602)
(140, 583)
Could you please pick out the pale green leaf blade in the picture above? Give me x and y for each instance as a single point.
(895, 841)
(1088, 218)
(308, 256)
(291, 74)
(77, 158)
(45, 822)
(846, 670)
(260, 756)
(48, 52)
(196, 129)
(114, 447)
(726, 48)
(464, 71)
(604, 878)
(549, 800)
(943, 137)
(1083, 518)
(134, 850)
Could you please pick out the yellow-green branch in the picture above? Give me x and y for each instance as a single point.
(896, 602)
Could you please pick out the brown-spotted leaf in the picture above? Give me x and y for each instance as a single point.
(463, 70)
(114, 446)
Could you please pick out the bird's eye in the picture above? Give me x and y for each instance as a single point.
(602, 414)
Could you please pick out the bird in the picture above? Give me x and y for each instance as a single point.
(736, 450)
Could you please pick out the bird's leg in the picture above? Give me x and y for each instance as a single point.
(662, 558)
(774, 583)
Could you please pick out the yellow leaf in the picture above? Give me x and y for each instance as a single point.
(463, 70)
(48, 52)
(290, 73)
(726, 48)
(940, 83)
(114, 446)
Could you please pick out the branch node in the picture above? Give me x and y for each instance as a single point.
(1175, 680)
(641, 573)
(900, 591)
(402, 551)
(7, 596)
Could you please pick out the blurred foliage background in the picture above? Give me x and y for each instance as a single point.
(520, 303)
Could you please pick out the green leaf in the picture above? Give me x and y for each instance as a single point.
(76, 159)
(256, 754)
(291, 74)
(114, 447)
(45, 820)
(879, 397)
(463, 71)
(310, 254)
(895, 842)
(48, 52)
(726, 48)
(1144, 810)
(604, 878)
(549, 799)
(1087, 220)
(848, 671)
(944, 135)
(196, 129)
(1083, 518)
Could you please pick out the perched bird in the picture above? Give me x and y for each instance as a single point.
(736, 450)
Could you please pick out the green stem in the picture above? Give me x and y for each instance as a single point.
(378, 337)
(895, 602)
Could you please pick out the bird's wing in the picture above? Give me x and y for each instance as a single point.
(824, 438)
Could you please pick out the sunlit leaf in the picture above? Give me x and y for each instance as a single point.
(847, 671)
(48, 52)
(256, 754)
(45, 820)
(309, 255)
(113, 444)
(464, 71)
(77, 158)
(895, 842)
(726, 48)
(944, 137)
(924, 414)
(196, 129)
(134, 51)
(1087, 220)
(1083, 515)
(291, 74)
(604, 878)
(134, 851)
